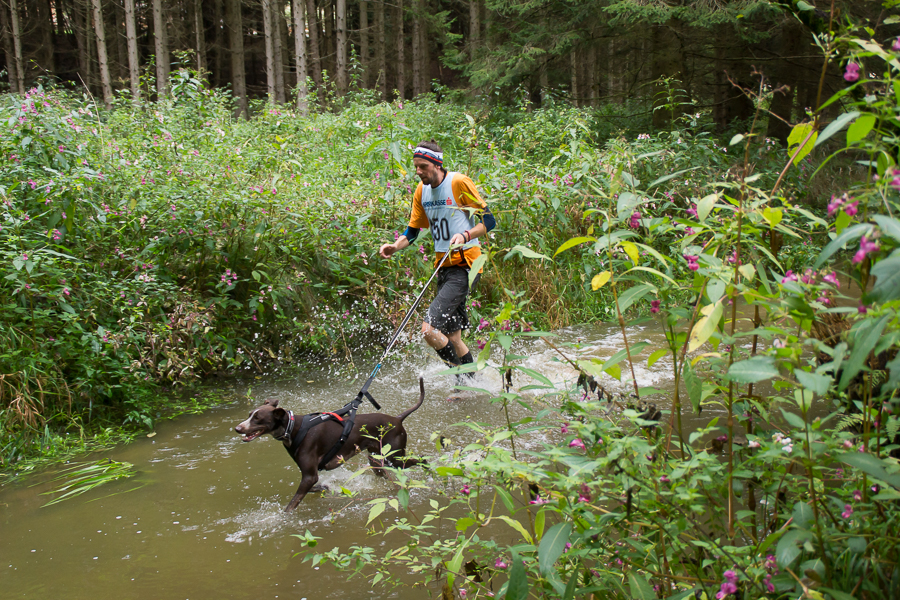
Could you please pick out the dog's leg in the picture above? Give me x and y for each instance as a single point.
(309, 479)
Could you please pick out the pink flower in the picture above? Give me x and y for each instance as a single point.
(857, 495)
(635, 221)
(499, 564)
(852, 72)
(789, 276)
(577, 443)
(583, 498)
(692, 261)
(466, 489)
(654, 306)
(896, 46)
(866, 246)
(664, 479)
(852, 208)
(564, 429)
(832, 279)
(538, 500)
(848, 511)
(862, 309)
(692, 210)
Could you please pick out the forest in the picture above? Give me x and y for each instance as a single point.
(194, 192)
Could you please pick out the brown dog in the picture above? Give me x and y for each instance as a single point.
(371, 432)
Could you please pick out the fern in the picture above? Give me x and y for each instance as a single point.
(848, 421)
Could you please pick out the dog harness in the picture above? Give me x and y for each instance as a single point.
(345, 415)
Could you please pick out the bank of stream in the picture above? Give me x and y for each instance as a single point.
(207, 520)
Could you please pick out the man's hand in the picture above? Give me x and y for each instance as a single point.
(458, 240)
(387, 250)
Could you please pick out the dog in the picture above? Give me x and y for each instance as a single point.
(371, 432)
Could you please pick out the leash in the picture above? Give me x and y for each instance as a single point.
(349, 410)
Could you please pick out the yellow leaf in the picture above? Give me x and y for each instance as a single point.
(600, 280)
(632, 251)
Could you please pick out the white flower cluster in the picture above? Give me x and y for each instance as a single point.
(786, 443)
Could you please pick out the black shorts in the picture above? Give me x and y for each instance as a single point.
(447, 312)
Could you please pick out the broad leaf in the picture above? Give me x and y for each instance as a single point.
(552, 545)
(836, 126)
(887, 286)
(599, 280)
(864, 341)
(572, 243)
(517, 588)
(705, 327)
(861, 128)
(526, 252)
(798, 134)
(753, 370)
(849, 234)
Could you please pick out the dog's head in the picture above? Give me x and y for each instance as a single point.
(265, 419)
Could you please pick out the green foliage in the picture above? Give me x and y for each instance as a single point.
(789, 491)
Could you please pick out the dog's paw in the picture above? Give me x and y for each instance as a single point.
(454, 399)
(320, 487)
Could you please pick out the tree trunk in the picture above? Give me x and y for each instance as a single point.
(341, 26)
(121, 46)
(134, 67)
(200, 38)
(314, 54)
(401, 50)
(235, 27)
(417, 49)
(161, 49)
(270, 48)
(8, 50)
(380, 58)
(45, 34)
(217, 76)
(298, 10)
(102, 58)
(474, 27)
(281, 52)
(545, 84)
(575, 91)
(328, 51)
(364, 41)
(17, 45)
(83, 41)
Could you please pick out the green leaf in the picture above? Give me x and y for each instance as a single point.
(772, 216)
(632, 251)
(375, 511)
(666, 178)
(599, 280)
(694, 387)
(620, 355)
(526, 252)
(535, 375)
(864, 341)
(861, 128)
(837, 594)
(798, 134)
(888, 226)
(506, 497)
(813, 381)
(658, 354)
(849, 234)
(639, 587)
(517, 588)
(887, 286)
(570, 587)
(454, 565)
(705, 327)
(736, 139)
(477, 264)
(464, 523)
(626, 203)
(552, 545)
(874, 466)
(633, 294)
(787, 550)
(572, 243)
(753, 370)
(705, 206)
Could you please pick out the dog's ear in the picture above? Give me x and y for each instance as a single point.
(271, 401)
(279, 413)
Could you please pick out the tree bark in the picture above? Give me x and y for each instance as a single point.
(82, 30)
(200, 38)
(364, 41)
(270, 48)
(298, 10)
(417, 49)
(217, 76)
(573, 66)
(118, 33)
(281, 51)
(161, 48)
(474, 27)
(45, 33)
(380, 59)
(235, 27)
(314, 54)
(328, 50)
(134, 67)
(341, 27)
(17, 45)
(6, 33)
(102, 58)
(401, 50)
(667, 63)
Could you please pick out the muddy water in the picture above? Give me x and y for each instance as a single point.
(208, 522)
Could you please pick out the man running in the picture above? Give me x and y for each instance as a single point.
(447, 203)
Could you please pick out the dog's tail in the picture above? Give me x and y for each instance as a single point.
(410, 411)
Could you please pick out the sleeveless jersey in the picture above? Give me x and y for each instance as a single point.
(446, 217)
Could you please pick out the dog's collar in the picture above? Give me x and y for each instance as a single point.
(286, 436)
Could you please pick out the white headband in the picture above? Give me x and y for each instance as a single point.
(430, 155)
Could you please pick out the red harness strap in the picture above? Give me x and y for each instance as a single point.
(335, 415)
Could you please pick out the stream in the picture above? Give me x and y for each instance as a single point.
(207, 520)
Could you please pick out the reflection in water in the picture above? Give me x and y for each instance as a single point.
(209, 522)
